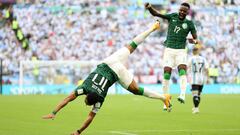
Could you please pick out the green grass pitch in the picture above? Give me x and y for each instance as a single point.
(120, 115)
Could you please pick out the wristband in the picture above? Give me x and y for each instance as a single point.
(78, 131)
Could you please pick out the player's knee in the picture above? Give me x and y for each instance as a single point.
(182, 69)
(182, 72)
(167, 75)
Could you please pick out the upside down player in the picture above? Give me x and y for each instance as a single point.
(175, 53)
(198, 66)
(111, 69)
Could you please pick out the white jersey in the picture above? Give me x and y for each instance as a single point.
(197, 65)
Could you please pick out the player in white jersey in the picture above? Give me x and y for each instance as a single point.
(198, 66)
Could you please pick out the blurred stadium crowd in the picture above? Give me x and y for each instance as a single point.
(92, 30)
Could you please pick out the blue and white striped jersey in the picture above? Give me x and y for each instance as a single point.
(198, 66)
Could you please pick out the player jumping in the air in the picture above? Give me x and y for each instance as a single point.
(198, 67)
(111, 70)
(175, 53)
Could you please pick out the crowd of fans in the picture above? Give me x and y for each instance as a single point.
(82, 30)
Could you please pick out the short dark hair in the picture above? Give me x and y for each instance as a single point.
(92, 98)
(186, 5)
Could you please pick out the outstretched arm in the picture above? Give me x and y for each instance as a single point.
(63, 103)
(153, 11)
(87, 122)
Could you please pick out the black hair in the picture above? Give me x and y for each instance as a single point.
(186, 5)
(92, 98)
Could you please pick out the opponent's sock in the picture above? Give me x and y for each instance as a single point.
(196, 100)
(199, 99)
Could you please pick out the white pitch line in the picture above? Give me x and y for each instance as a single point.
(187, 130)
(163, 131)
(121, 133)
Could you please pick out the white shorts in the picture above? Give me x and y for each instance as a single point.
(174, 57)
(116, 63)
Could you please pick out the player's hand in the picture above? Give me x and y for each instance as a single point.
(75, 133)
(156, 25)
(199, 46)
(49, 116)
(192, 41)
(147, 5)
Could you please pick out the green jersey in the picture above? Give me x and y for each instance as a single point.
(178, 31)
(99, 81)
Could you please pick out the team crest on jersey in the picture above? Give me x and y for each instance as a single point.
(184, 25)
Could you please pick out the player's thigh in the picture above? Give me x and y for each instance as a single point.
(168, 58)
(119, 56)
(125, 76)
(196, 89)
(181, 57)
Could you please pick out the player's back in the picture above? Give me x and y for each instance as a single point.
(198, 65)
(100, 80)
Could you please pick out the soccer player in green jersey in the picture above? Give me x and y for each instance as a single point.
(175, 54)
(110, 70)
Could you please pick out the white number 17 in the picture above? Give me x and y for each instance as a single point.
(177, 29)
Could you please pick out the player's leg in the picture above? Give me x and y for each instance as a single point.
(126, 80)
(196, 98)
(135, 89)
(166, 77)
(181, 61)
(141, 37)
(168, 62)
(200, 92)
(123, 53)
(183, 82)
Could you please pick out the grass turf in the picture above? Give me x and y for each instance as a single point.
(120, 115)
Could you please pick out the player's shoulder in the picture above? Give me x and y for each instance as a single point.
(189, 21)
(172, 14)
(202, 58)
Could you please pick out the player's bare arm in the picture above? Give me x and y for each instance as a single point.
(154, 11)
(193, 40)
(63, 103)
(87, 122)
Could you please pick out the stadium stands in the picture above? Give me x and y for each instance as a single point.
(82, 30)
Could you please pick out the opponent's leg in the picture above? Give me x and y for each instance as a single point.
(196, 91)
(196, 101)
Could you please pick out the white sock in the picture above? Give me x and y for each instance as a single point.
(153, 94)
(183, 85)
(165, 87)
(141, 37)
